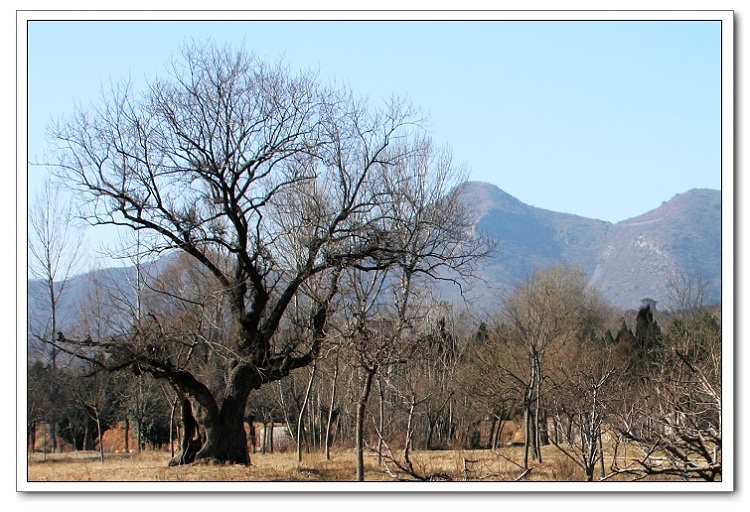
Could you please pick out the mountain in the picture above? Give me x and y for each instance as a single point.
(82, 291)
(628, 261)
(643, 255)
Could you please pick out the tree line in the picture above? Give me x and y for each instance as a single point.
(555, 359)
(311, 228)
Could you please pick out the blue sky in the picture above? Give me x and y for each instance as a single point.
(604, 119)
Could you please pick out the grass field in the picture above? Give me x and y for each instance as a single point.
(151, 466)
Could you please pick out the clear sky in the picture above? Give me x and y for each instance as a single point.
(604, 119)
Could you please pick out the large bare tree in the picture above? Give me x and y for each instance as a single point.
(269, 181)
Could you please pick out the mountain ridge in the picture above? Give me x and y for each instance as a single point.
(627, 261)
(639, 257)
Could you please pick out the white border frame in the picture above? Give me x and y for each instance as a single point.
(726, 18)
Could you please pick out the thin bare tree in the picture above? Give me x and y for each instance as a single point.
(554, 306)
(55, 243)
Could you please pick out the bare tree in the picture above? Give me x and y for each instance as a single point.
(55, 247)
(554, 306)
(268, 181)
(674, 424)
(688, 294)
(332, 410)
(585, 396)
(375, 339)
(420, 391)
(301, 415)
(492, 376)
(402, 468)
(387, 307)
(37, 400)
(95, 394)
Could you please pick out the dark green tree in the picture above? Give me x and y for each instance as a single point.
(647, 343)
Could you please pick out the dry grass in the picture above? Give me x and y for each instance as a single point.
(152, 467)
(484, 465)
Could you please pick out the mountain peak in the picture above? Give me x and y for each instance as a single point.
(485, 197)
(696, 202)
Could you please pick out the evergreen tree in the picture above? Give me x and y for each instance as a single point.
(645, 345)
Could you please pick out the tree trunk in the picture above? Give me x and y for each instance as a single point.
(99, 435)
(126, 434)
(430, 433)
(88, 439)
(139, 426)
(95, 418)
(589, 471)
(538, 427)
(53, 434)
(223, 441)
(263, 438)
(191, 438)
(601, 450)
(31, 431)
(569, 430)
(530, 436)
(407, 440)
(222, 437)
(172, 427)
(381, 420)
(451, 426)
(292, 432)
(498, 430)
(270, 438)
(359, 430)
(491, 442)
(331, 411)
(226, 440)
(251, 434)
(302, 413)
(321, 420)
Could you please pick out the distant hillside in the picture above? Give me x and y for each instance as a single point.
(643, 254)
(79, 292)
(628, 261)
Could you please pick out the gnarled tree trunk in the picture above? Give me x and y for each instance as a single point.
(191, 438)
(222, 437)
